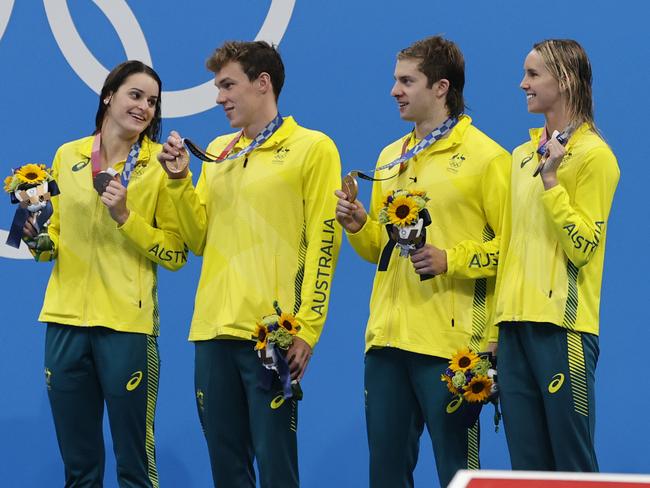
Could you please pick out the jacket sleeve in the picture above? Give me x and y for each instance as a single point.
(191, 211)
(322, 237)
(367, 241)
(579, 222)
(54, 225)
(471, 259)
(159, 241)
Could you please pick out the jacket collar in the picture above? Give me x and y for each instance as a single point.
(279, 136)
(536, 134)
(454, 138)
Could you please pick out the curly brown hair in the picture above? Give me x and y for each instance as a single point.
(255, 58)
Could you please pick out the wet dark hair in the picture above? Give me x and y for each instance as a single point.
(568, 63)
(255, 58)
(114, 80)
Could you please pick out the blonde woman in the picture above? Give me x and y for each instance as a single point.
(551, 264)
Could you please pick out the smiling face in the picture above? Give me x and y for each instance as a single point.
(416, 101)
(132, 106)
(542, 90)
(240, 97)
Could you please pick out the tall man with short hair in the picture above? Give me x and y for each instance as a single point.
(416, 324)
(264, 223)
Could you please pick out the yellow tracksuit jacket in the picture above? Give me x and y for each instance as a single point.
(105, 275)
(465, 175)
(264, 224)
(553, 241)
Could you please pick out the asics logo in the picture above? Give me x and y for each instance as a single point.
(526, 159)
(134, 382)
(277, 402)
(455, 404)
(80, 165)
(556, 383)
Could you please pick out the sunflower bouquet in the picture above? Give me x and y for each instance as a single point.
(274, 335)
(31, 186)
(471, 378)
(405, 215)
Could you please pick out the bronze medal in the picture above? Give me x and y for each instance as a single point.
(350, 187)
(179, 164)
(101, 181)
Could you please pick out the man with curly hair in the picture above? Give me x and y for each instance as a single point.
(263, 220)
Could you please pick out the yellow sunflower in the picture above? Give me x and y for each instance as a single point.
(289, 322)
(261, 336)
(450, 386)
(8, 181)
(463, 360)
(31, 174)
(402, 211)
(478, 389)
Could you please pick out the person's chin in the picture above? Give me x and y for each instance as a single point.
(234, 123)
(533, 108)
(135, 130)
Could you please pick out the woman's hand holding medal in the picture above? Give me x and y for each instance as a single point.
(551, 160)
(174, 157)
(350, 214)
(114, 197)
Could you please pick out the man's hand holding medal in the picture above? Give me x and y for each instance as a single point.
(405, 215)
(350, 212)
(174, 158)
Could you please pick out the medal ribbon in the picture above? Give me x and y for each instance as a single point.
(260, 139)
(562, 138)
(129, 164)
(428, 140)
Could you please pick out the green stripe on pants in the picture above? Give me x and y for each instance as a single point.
(404, 393)
(85, 368)
(546, 383)
(239, 419)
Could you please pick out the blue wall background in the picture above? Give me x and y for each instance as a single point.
(340, 58)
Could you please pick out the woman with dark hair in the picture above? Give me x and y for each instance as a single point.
(101, 301)
(550, 268)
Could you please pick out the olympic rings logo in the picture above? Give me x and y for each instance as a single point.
(178, 103)
(5, 12)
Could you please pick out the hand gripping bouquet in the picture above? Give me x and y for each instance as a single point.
(274, 336)
(31, 187)
(405, 215)
(472, 379)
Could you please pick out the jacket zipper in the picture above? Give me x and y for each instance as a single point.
(453, 302)
(140, 281)
(93, 233)
(393, 301)
(553, 267)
